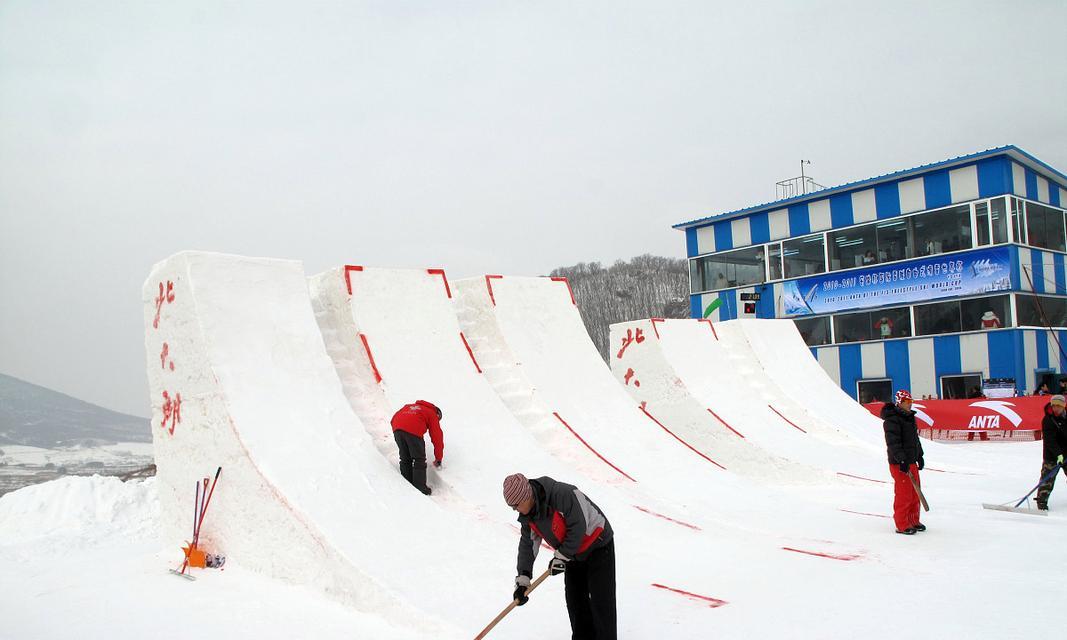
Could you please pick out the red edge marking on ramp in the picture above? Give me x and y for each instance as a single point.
(864, 513)
(727, 424)
(845, 557)
(786, 419)
(441, 272)
(673, 435)
(668, 518)
(469, 352)
(654, 321)
(370, 356)
(489, 287)
(349, 268)
(595, 452)
(849, 475)
(713, 603)
(712, 326)
(566, 282)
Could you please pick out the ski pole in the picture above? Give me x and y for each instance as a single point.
(200, 521)
(514, 603)
(915, 485)
(1039, 483)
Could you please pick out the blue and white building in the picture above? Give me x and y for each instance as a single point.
(932, 279)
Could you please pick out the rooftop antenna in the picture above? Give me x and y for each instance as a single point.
(795, 187)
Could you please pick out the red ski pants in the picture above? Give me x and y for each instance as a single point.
(905, 499)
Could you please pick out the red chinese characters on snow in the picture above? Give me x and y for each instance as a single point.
(172, 411)
(629, 375)
(163, 297)
(164, 356)
(630, 338)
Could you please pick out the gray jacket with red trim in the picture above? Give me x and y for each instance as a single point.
(565, 519)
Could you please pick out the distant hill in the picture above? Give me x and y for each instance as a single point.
(39, 417)
(645, 287)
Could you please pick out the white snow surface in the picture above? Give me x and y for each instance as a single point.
(324, 538)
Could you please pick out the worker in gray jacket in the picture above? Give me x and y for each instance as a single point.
(569, 522)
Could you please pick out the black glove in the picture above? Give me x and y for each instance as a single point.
(921, 464)
(903, 466)
(437, 464)
(522, 584)
(558, 564)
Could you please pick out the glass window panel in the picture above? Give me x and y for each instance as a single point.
(943, 230)
(815, 331)
(853, 247)
(803, 256)
(875, 391)
(981, 220)
(775, 265)
(1034, 310)
(992, 312)
(1016, 221)
(728, 269)
(999, 220)
(891, 323)
(940, 317)
(960, 387)
(1044, 227)
(894, 240)
(853, 327)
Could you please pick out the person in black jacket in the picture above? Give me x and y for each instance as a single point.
(1054, 438)
(905, 457)
(569, 522)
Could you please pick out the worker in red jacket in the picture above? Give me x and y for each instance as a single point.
(410, 424)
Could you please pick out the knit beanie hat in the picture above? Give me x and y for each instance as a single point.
(516, 489)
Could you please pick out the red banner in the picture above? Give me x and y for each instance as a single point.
(978, 414)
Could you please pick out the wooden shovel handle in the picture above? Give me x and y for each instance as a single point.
(514, 603)
(922, 498)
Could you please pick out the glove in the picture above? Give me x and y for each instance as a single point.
(1059, 460)
(437, 464)
(921, 464)
(522, 583)
(558, 564)
(903, 466)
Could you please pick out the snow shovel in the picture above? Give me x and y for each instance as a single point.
(1016, 509)
(922, 498)
(514, 603)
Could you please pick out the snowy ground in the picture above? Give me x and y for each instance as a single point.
(21, 466)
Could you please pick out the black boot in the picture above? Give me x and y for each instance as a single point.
(908, 532)
(920, 527)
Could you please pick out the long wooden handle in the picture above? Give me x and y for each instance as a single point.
(514, 603)
(922, 498)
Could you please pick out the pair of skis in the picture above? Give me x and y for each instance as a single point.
(200, 505)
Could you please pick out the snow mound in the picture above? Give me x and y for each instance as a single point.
(87, 508)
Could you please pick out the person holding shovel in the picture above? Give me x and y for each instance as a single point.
(905, 461)
(569, 522)
(1054, 438)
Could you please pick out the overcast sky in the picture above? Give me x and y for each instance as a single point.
(482, 137)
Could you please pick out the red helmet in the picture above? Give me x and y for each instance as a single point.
(903, 395)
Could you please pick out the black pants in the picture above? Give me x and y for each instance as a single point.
(1046, 488)
(412, 458)
(590, 589)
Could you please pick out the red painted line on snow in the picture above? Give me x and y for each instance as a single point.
(370, 356)
(864, 513)
(441, 272)
(566, 282)
(489, 286)
(654, 321)
(675, 436)
(595, 452)
(849, 475)
(668, 518)
(847, 557)
(727, 424)
(349, 268)
(712, 326)
(469, 352)
(713, 603)
(786, 419)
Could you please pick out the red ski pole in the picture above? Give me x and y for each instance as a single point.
(200, 521)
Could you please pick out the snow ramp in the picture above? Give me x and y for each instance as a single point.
(240, 379)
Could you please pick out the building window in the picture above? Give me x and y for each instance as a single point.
(815, 331)
(881, 324)
(894, 240)
(774, 262)
(940, 317)
(1017, 226)
(968, 385)
(992, 312)
(803, 256)
(853, 247)
(943, 230)
(1035, 311)
(1044, 227)
(738, 268)
(998, 219)
(981, 221)
(880, 390)
(853, 327)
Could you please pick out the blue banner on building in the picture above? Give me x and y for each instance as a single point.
(944, 276)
